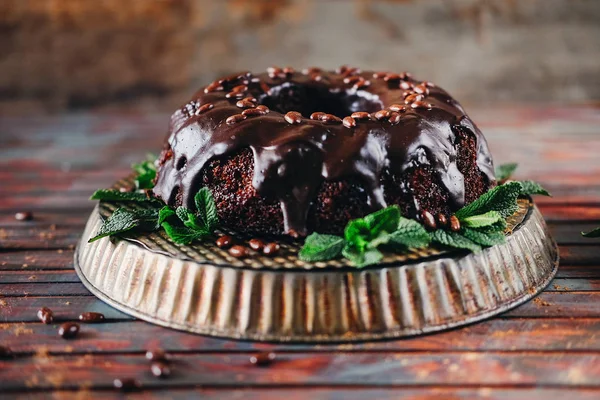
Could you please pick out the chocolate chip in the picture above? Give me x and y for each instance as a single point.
(454, 224)
(442, 220)
(397, 108)
(256, 244)
(394, 118)
(45, 315)
(293, 117)
(262, 359)
(413, 98)
(271, 248)
(126, 384)
(24, 216)
(421, 104)
(238, 251)
(406, 85)
(246, 103)
(428, 220)
(381, 114)
(68, 330)
(224, 242)
(156, 355)
(361, 115)
(5, 352)
(317, 116)
(349, 122)
(91, 317)
(204, 108)
(235, 118)
(213, 87)
(160, 369)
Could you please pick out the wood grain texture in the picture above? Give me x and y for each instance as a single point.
(548, 348)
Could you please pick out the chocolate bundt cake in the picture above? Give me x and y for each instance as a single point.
(288, 152)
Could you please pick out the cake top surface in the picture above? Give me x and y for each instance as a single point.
(315, 125)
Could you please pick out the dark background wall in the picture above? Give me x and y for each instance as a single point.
(60, 55)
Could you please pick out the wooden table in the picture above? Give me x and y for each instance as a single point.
(547, 348)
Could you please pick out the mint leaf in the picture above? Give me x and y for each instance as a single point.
(206, 208)
(146, 173)
(531, 188)
(116, 195)
(165, 213)
(593, 234)
(482, 238)
(454, 239)
(505, 171)
(319, 247)
(358, 234)
(362, 259)
(499, 226)
(123, 220)
(190, 220)
(478, 221)
(410, 233)
(182, 234)
(502, 198)
(386, 219)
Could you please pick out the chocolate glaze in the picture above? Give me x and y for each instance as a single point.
(292, 159)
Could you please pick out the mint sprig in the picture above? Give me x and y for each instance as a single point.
(505, 171)
(321, 247)
(593, 234)
(146, 173)
(123, 220)
(116, 195)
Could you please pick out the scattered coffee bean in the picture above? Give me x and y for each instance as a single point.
(236, 78)
(236, 95)
(361, 84)
(397, 108)
(45, 315)
(405, 75)
(238, 251)
(271, 249)
(349, 122)
(5, 352)
(311, 70)
(24, 216)
(316, 77)
(394, 118)
(213, 87)
(160, 369)
(262, 359)
(407, 93)
(428, 84)
(317, 116)
(204, 108)
(256, 244)
(413, 98)
(421, 104)
(352, 79)
(235, 118)
(263, 109)
(224, 242)
(428, 220)
(275, 72)
(442, 220)
(288, 71)
(454, 224)
(391, 77)
(330, 118)
(156, 355)
(245, 103)
(126, 384)
(421, 89)
(68, 330)
(406, 85)
(361, 115)
(379, 75)
(293, 117)
(251, 112)
(91, 317)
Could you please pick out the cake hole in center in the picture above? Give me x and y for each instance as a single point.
(309, 99)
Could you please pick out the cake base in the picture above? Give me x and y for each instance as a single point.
(333, 303)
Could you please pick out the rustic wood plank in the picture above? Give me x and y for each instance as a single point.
(500, 334)
(352, 369)
(24, 276)
(44, 289)
(33, 260)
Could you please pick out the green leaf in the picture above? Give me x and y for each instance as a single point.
(357, 234)
(593, 234)
(319, 247)
(116, 195)
(502, 198)
(531, 188)
(165, 213)
(454, 239)
(478, 221)
(206, 208)
(123, 220)
(410, 233)
(499, 226)
(483, 238)
(362, 259)
(146, 173)
(182, 234)
(386, 219)
(505, 171)
(190, 220)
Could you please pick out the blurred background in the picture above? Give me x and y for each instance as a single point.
(151, 55)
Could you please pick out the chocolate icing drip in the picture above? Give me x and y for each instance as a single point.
(292, 157)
